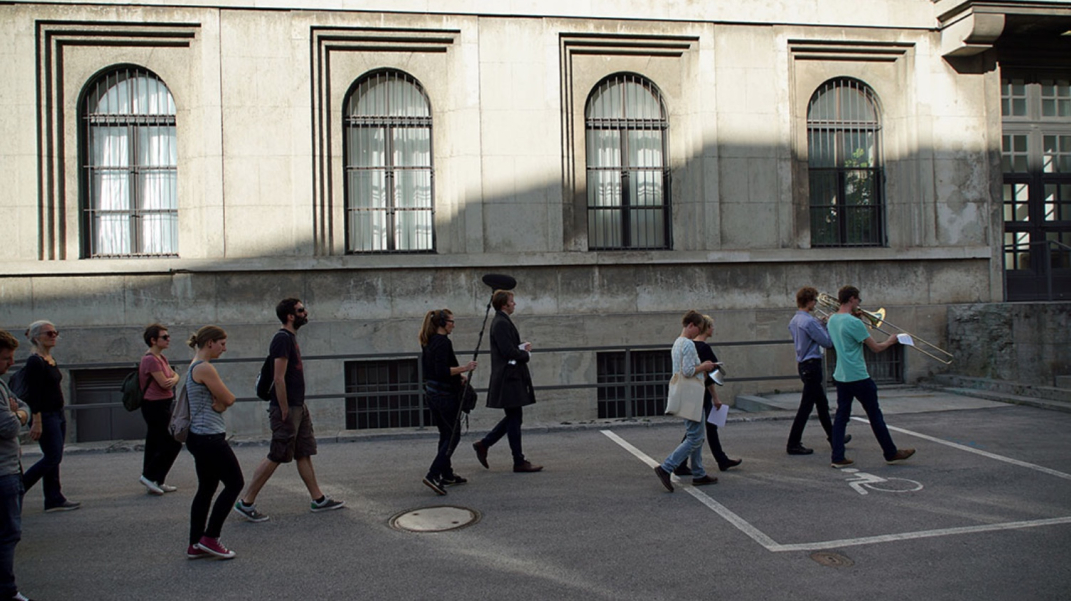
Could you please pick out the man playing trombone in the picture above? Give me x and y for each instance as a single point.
(849, 334)
(810, 337)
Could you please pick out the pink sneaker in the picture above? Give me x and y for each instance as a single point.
(214, 547)
(192, 552)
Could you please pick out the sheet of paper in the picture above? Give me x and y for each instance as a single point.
(905, 339)
(718, 416)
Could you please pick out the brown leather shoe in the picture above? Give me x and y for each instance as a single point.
(663, 475)
(526, 467)
(481, 453)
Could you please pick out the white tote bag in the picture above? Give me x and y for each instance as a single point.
(685, 397)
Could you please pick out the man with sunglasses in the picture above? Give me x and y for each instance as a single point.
(292, 437)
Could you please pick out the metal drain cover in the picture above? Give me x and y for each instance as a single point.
(435, 519)
(831, 559)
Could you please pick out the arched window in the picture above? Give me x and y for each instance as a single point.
(627, 177)
(388, 165)
(129, 198)
(845, 165)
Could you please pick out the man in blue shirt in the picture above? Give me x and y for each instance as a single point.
(849, 335)
(810, 337)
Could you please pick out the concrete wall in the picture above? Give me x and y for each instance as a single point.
(260, 93)
(1013, 342)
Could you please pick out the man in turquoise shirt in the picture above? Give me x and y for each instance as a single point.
(853, 381)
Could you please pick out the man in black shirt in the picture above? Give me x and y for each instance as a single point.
(291, 427)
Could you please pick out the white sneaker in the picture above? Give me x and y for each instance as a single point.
(154, 488)
(168, 488)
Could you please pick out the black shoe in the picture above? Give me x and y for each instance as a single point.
(730, 464)
(683, 470)
(453, 479)
(435, 484)
(799, 450)
(481, 453)
(526, 467)
(663, 475)
(704, 481)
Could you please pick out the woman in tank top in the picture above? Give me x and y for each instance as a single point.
(207, 442)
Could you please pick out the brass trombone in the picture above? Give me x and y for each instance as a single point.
(827, 305)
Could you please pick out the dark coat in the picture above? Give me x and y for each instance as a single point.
(511, 385)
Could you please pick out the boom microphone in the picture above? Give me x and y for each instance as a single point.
(498, 281)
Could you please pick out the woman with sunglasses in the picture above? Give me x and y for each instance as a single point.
(158, 382)
(44, 395)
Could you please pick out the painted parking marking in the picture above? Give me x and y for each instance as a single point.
(961, 447)
(771, 545)
(861, 481)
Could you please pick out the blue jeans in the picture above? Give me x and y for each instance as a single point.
(11, 492)
(867, 393)
(53, 433)
(691, 446)
(445, 409)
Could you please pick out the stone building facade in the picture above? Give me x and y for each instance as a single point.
(624, 161)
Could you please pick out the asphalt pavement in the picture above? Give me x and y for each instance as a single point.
(983, 511)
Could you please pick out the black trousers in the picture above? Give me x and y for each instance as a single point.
(215, 463)
(814, 397)
(161, 449)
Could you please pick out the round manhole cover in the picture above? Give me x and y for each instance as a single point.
(831, 559)
(435, 519)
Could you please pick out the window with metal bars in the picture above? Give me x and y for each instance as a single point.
(388, 164)
(130, 172)
(389, 392)
(639, 383)
(845, 165)
(1036, 158)
(626, 131)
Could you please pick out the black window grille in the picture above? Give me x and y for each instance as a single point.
(845, 165)
(627, 173)
(390, 395)
(886, 367)
(130, 173)
(1036, 159)
(388, 163)
(638, 381)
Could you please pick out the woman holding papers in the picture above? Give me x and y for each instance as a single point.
(687, 363)
(710, 400)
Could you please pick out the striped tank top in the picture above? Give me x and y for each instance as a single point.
(203, 419)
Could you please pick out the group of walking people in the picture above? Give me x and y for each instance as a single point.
(209, 397)
(36, 398)
(843, 331)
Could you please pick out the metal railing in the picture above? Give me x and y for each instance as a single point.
(417, 387)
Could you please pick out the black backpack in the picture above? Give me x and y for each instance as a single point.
(266, 379)
(133, 394)
(17, 384)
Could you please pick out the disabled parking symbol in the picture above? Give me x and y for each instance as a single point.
(861, 481)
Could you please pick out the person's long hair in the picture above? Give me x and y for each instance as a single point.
(432, 324)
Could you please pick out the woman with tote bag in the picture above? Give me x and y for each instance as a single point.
(685, 396)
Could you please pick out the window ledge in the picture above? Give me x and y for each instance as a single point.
(112, 267)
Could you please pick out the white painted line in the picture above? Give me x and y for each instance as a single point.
(887, 538)
(772, 545)
(968, 449)
(718, 508)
